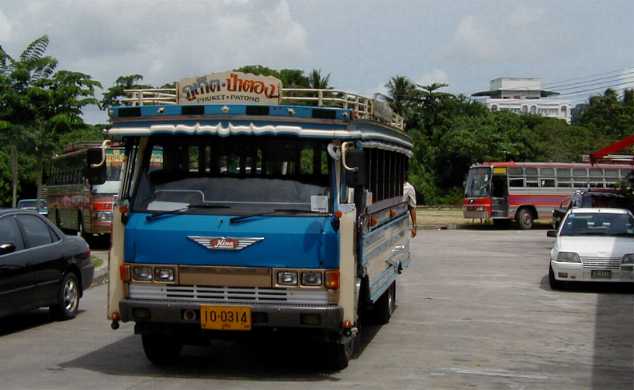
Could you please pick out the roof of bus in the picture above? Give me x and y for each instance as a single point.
(513, 164)
(244, 120)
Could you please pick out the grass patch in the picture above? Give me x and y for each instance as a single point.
(96, 261)
(441, 216)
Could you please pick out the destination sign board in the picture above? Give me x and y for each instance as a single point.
(229, 88)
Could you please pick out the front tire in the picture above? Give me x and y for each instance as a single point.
(67, 298)
(161, 350)
(554, 283)
(340, 353)
(525, 219)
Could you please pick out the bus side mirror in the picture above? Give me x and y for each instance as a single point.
(358, 177)
(96, 166)
(551, 233)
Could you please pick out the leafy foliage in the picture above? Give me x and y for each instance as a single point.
(38, 106)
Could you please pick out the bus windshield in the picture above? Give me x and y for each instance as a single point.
(478, 182)
(237, 173)
(598, 224)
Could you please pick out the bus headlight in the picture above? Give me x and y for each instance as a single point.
(141, 273)
(103, 216)
(568, 257)
(164, 274)
(311, 278)
(287, 278)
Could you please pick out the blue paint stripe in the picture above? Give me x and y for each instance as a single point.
(237, 109)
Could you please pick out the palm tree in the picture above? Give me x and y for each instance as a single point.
(16, 76)
(317, 80)
(400, 92)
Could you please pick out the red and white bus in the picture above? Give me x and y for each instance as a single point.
(524, 192)
(76, 203)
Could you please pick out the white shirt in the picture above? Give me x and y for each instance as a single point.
(409, 195)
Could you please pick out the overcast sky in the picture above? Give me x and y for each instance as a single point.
(362, 43)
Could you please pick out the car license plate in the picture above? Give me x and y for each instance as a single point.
(225, 317)
(601, 274)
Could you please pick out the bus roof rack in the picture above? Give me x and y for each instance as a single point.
(361, 107)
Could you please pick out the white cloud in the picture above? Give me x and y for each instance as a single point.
(5, 28)
(474, 40)
(509, 35)
(162, 40)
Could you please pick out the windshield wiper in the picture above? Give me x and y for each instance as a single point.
(270, 212)
(152, 217)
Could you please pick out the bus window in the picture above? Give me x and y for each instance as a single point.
(580, 172)
(531, 177)
(611, 173)
(547, 182)
(516, 172)
(547, 172)
(516, 182)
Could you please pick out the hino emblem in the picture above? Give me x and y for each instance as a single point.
(225, 243)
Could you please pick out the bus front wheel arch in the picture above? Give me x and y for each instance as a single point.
(525, 217)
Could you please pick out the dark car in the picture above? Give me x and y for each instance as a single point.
(40, 266)
(589, 199)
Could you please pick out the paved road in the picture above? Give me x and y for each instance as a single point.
(474, 312)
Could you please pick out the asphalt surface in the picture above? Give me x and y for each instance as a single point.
(475, 311)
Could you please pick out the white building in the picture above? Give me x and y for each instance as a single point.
(523, 96)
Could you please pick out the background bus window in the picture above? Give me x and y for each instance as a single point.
(516, 182)
(531, 177)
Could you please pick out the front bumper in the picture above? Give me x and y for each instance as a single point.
(576, 272)
(475, 214)
(263, 315)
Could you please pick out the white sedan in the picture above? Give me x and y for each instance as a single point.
(593, 245)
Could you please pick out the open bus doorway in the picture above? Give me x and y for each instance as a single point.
(499, 197)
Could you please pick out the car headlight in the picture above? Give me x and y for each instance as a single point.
(287, 278)
(628, 259)
(568, 257)
(311, 278)
(164, 274)
(103, 216)
(142, 273)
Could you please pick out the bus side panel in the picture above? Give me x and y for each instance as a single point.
(543, 203)
(115, 260)
(347, 266)
(385, 250)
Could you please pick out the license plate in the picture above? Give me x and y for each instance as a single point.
(601, 274)
(225, 317)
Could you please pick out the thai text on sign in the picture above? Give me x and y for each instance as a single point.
(229, 87)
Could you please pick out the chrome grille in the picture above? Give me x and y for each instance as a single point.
(243, 295)
(613, 263)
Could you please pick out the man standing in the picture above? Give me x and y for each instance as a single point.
(409, 196)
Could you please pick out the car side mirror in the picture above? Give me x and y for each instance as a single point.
(551, 233)
(6, 248)
(96, 166)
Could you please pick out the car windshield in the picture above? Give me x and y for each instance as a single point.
(30, 204)
(598, 224)
(236, 173)
(478, 182)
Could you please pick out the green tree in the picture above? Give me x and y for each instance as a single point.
(38, 104)
(114, 94)
(317, 80)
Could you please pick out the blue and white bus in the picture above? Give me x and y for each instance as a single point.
(247, 206)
